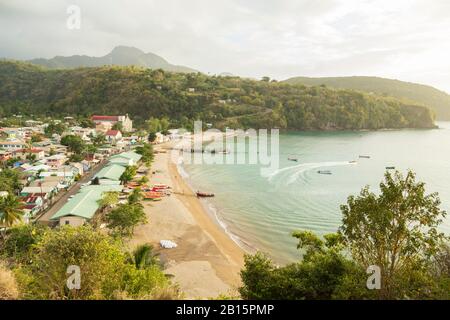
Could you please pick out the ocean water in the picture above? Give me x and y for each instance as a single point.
(261, 211)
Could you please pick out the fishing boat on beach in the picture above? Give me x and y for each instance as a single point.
(364, 157)
(324, 172)
(390, 168)
(204, 194)
(293, 159)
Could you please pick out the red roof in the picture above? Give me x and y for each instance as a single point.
(112, 132)
(105, 118)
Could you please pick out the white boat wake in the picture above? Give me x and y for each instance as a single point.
(291, 174)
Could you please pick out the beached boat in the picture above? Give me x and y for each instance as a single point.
(293, 159)
(353, 161)
(390, 168)
(161, 186)
(324, 172)
(204, 194)
(365, 157)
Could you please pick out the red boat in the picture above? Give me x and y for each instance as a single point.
(204, 194)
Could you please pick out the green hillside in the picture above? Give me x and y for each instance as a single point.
(222, 101)
(438, 100)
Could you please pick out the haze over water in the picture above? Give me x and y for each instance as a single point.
(264, 211)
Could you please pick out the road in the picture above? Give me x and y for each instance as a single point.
(61, 198)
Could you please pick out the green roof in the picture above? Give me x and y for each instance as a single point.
(123, 161)
(130, 155)
(84, 203)
(111, 172)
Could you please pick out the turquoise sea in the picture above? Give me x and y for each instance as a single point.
(261, 212)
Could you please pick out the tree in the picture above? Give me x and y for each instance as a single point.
(117, 126)
(36, 138)
(108, 200)
(124, 218)
(10, 180)
(87, 123)
(53, 128)
(99, 258)
(135, 196)
(74, 143)
(396, 230)
(128, 174)
(10, 210)
(98, 140)
(19, 241)
(151, 136)
(143, 257)
(147, 153)
(324, 273)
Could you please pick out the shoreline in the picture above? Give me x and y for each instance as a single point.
(207, 261)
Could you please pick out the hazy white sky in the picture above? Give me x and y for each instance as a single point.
(403, 39)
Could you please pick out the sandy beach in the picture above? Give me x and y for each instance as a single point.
(206, 262)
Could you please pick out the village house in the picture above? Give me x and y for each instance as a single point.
(12, 145)
(105, 123)
(5, 155)
(56, 160)
(113, 136)
(83, 206)
(24, 154)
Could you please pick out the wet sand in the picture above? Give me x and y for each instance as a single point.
(206, 262)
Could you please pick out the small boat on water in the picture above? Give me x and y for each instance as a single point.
(364, 157)
(324, 172)
(293, 159)
(390, 168)
(204, 194)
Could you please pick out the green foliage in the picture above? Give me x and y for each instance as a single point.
(104, 266)
(124, 218)
(10, 210)
(86, 123)
(144, 257)
(135, 196)
(20, 240)
(100, 259)
(108, 199)
(74, 143)
(146, 151)
(396, 230)
(53, 128)
(145, 93)
(438, 100)
(128, 174)
(10, 180)
(36, 138)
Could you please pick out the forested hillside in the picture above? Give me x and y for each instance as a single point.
(438, 100)
(223, 101)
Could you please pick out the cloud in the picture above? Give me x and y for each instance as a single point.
(405, 39)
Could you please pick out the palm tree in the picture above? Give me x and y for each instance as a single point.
(143, 257)
(135, 196)
(10, 210)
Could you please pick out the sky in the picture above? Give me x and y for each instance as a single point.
(402, 39)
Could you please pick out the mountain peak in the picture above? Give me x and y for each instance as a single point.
(120, 55)
(127, 51)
